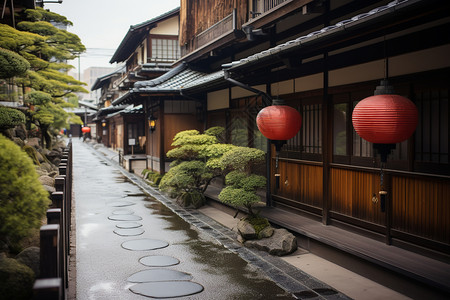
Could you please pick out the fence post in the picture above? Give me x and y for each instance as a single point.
(55, 216)
(49, 263)
(61, 186)
(47, 289)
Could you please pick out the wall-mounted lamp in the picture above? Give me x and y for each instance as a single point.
(152, 123)
(103, 123)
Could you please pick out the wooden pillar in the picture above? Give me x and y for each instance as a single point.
(327, 132)
(162, 150)
(327, 142)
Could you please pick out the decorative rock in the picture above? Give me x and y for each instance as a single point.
(240, 239)
(18, 142)
(46, 166)
(40, 171)
(266, 232)
(49, 189)
(246, 230)
(53, 174)
(30, 258)
(40, 157)
(282, 242)
(33, 142)
(47, 180)
(54, 157)
(20, 132)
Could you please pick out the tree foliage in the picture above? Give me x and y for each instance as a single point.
(12, 64)
(242, 185)
(201, 157)
(46, 49)
(23, 200)
(190, 175)
(10, 117)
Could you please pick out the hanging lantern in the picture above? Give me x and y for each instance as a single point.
(385, 119)
(279, 122)
(85, 129)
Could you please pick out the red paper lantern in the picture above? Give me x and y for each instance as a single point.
(85, 129)
(385, 119)
(279, 122)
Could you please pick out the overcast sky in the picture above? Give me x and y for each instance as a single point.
(102, 24)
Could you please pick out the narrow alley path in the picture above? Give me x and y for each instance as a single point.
(117, 228)
(129, 244)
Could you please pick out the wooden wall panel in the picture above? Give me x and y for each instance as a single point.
(422, 207)
(352, 192)
(300, 183)
(174, 123)
(197, 16)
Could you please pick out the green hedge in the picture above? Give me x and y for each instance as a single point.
(23, 200)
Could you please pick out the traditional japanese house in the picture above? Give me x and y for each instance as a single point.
(147, 51)
(322, 57)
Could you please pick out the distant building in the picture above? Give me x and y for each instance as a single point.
(89, 76)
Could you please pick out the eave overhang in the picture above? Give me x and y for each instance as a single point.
(344, 33)
(136, 34)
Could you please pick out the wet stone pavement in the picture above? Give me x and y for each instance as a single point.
(134, 243)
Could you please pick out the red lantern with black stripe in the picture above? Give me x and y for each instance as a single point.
(85, 129)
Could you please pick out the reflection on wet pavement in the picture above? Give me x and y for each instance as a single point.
(159, 275)
(105, 202)
(125, 218)
(122, 212)
(144, 244)
(159, 261)
(129, 231)
(125, 225)
(167, 289)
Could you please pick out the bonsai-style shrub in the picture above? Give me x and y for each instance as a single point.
(23, 200)
(242, 185)
(153, 178)
(189, 174)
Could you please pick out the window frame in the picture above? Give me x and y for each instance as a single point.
(153, 37)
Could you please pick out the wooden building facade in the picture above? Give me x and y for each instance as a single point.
(322, 57)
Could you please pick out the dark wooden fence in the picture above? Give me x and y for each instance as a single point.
(55, 236)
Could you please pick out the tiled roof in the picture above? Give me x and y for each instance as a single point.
(310, 38)
(183, 78)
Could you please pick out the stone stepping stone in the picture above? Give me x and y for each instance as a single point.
(159, 261)
(129, 232)
(120, 203)
(128, 225)
(154, 275)
(123, 211)
(144, 244)
(167, 289)
(125, 218)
